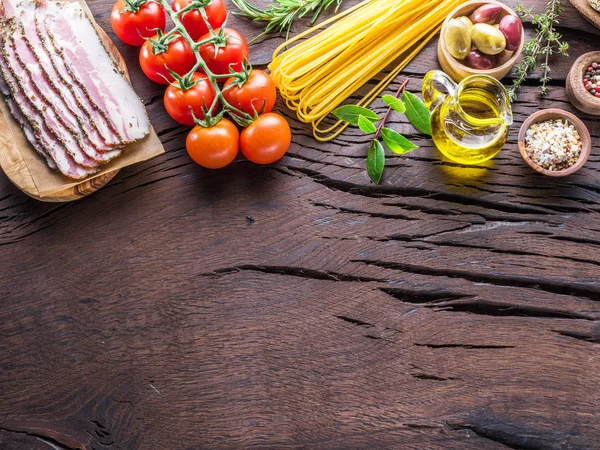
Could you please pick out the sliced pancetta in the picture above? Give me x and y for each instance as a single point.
(75, 107)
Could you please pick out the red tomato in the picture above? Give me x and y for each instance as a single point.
(267, 139)
(178, 57)
(231, 55)
(179, 101)
(193, 21)
(132, 24)
(214, 147)
(257, 94)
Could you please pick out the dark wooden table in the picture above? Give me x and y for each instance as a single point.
(300, 305)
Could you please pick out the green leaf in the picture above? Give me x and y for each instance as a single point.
(350, 113)
(417, 112)
(395, 103)
(366, 125)
(396, 142)
(375, 161)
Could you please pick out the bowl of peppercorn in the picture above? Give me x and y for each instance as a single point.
(583, 83)
(554, 142)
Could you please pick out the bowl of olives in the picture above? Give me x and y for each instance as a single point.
(480, 38)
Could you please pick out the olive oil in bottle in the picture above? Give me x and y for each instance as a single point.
(470, 124)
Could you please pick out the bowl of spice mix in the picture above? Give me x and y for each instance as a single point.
(554, 142)
(583, 83)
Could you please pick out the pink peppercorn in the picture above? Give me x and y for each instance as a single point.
(591, 79)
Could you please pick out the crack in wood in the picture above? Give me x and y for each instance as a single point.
(460, 227)
(506, 440)
(425, 209)
(383, 191)
(424, 425)
(427, 376)
(580, 289)
(366, 213)
(43, 438)
(512, 252)
(466, 346)
(356, 322)
(498, 309)
(443, 301)
(419, 297)
(519, 219)
(377, 338)
(575, 239)
(579, 335)
(512, 435)
(300, 272)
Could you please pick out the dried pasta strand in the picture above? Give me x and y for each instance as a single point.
(320, 72)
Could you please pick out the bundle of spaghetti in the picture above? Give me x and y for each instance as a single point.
(320, 72)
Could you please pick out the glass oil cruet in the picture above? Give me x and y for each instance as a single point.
(471, 120)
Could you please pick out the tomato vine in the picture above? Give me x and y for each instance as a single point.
(217, 40)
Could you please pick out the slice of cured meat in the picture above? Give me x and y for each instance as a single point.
(47, 56)
(29, 132)
(76, 39)
(51, 145)
(44, 110)
(92, 147)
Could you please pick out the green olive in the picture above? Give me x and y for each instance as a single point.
(466, 21)
(488, 39)
(458, 38)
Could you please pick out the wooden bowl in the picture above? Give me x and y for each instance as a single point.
(19, 160)
(457, 70)
(578, 95)
(552, 114)
(585, 9)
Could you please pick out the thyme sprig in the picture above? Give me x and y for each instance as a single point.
(547, 42)
(280, 15)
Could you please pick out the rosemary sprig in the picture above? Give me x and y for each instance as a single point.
(546, 43)
(280, 15)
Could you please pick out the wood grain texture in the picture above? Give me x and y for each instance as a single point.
(300, 305)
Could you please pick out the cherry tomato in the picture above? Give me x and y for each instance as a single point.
(267, 139)
(178, 101)
(214, 147)
(178, 57)
(231, 55)
(193, 21)
(137, 23)
(258, 93)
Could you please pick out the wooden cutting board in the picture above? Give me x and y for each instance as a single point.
(20, 161)
(587, 11)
